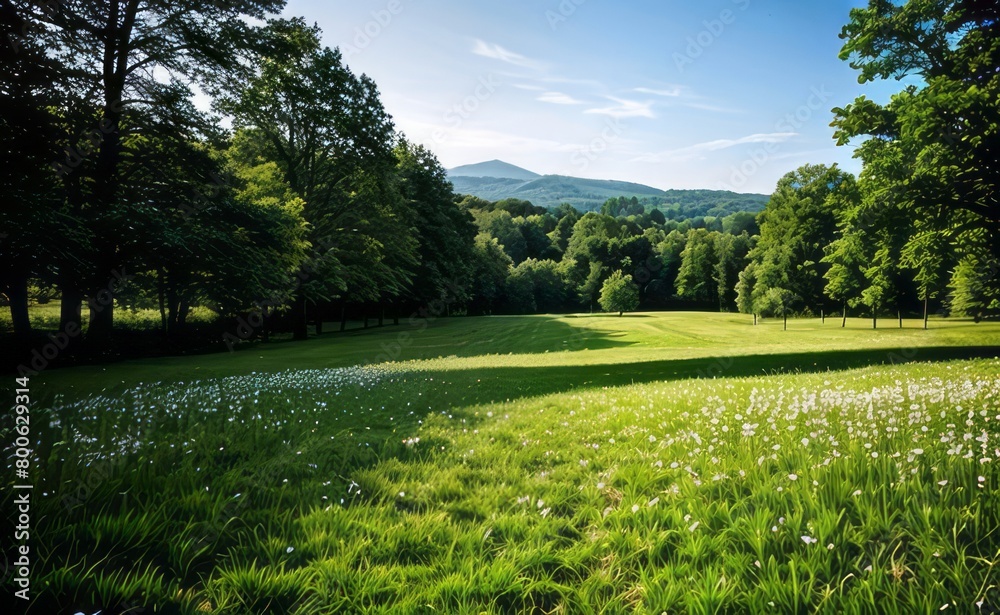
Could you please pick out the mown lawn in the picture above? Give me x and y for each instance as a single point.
(655, 463)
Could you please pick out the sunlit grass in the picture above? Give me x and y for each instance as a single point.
(399, 489)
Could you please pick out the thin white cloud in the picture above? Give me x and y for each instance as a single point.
(530, 88)
(496, 52)
(699, 149)
(673, 92)
(708, 107)
(625, 108)
(558, 98)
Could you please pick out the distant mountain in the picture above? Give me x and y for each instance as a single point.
(493, 168)
(486, 181)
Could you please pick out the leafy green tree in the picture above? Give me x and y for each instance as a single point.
(520, 292)
(730, 258)
(112, 54)
(973, 289)
(446, 233)
(739, 223)
(328, 133)
(490, 269)
(696, 279)
(619, 294)
(669, 253)
(500, 225)
(777, 301)
(845, 278)
(941, 133)
(798, 223)
(925, 254)
(745, 290)
(881, 276)
(559, 237)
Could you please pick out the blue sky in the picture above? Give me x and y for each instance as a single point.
(720, 94)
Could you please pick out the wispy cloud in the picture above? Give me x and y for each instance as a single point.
(625, 108)
(558, 98)
(710, 107)
(530, 88)
(673, 92)
(496, 52)
(699, 149)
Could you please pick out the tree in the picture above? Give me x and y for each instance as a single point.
(111, 55)
(696, 279)
(925, 254)
(730, 258)
(881, 275)
(490, 269)
(500, 225)
(777, 301)
(619, 294)
(745, 291)
(845, 278)
(800, 220)
(446, 232)
(973, 290)
(328, 133)
(948, 128)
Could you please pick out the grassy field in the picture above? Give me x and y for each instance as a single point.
(652, 463)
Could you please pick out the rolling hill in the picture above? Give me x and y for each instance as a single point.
(496, 180)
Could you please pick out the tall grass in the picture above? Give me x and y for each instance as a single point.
(370, 490)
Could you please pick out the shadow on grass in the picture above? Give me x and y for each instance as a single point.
(509, 383)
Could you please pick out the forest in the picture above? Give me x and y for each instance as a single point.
(295, 200)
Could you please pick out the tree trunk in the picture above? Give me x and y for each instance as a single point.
(162, 302)
(926, 313)
(319, 320)
(843, 323)
(364, 315)
(343, 317)
(102, 315)
(874, 319)
(300, 325)
(171, 311)
(755, 319)
(784, 314)
(264, 324)
(182, 313)
(620, 314)
(17, 292)
(70, 314)
(102, 308)
(899, 315)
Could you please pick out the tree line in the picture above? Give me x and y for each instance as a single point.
(295, 200)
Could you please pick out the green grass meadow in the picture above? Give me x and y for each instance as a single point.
(654, 463)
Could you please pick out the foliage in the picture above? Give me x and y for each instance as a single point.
(619, 294)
